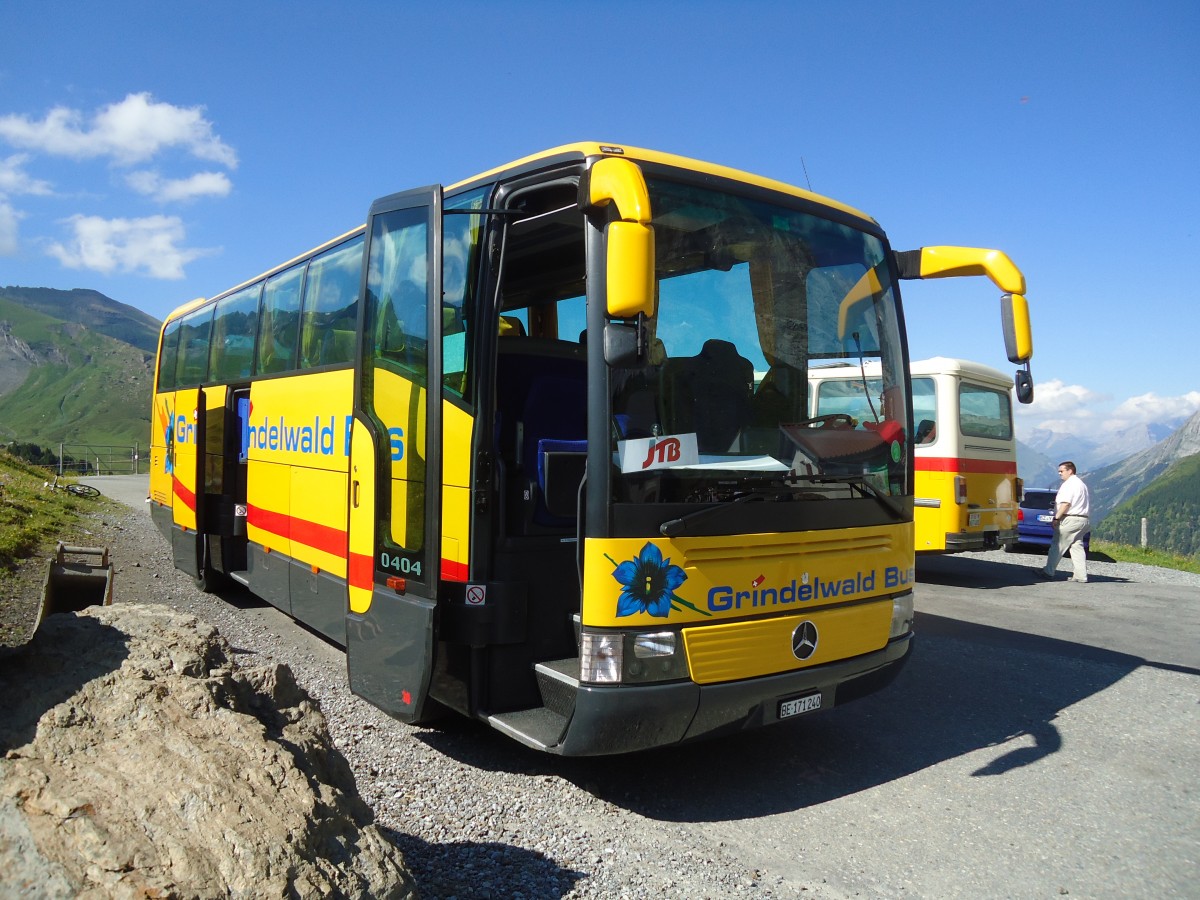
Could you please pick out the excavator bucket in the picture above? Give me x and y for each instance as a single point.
(79, 577)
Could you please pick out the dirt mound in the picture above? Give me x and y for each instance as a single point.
(142, 760)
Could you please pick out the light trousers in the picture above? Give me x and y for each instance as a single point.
(1069, 537)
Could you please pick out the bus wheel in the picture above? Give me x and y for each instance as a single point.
(207, 579)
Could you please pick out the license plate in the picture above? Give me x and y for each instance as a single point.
(972, 519)
(1045, 518)
(799, 705)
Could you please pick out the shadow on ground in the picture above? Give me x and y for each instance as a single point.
(943, 705)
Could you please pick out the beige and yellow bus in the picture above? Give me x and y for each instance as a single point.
(504, 444)
(966, 490)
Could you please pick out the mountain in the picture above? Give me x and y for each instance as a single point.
(92, 309)
(61, 380)
(1171, 507)
(1036, 469)
(1113, 485)
(1089, 453)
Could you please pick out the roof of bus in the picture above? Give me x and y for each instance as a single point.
(586, 149)
(936, 365)
(581, 150)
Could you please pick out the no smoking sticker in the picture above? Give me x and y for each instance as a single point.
(476, 594)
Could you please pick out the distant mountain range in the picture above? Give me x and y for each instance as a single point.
(92, 309)
(75, 367)
(1122, 481)
(1039, 456)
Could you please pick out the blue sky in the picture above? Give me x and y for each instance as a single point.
(158, 152)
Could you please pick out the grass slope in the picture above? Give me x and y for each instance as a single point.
(87, 389)
(1170, 503)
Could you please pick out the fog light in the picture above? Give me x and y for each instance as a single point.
(902, 615)
(600, 657)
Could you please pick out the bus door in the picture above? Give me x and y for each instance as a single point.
(186, 455)
(217, 438)
(395, 458)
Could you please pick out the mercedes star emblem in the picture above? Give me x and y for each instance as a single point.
(804, 640)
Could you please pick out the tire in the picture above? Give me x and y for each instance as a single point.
(208, 579)
(83, 490)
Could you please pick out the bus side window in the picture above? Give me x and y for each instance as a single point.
(329, 314)
(234, 328)
(169, 357)
(924, 401)
(278, 326)
(194, 335)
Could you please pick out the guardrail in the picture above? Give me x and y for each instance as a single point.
(86, 459)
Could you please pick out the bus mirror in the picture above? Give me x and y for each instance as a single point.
(1018, 335)
(955, 262)
(630, 270)
(1024, 385)
(619, 185)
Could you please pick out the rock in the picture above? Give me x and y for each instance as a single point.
(141, 760)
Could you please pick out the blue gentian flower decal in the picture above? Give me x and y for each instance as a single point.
(648, 584)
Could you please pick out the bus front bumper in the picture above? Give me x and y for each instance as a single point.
(621, 719)
(958, 542)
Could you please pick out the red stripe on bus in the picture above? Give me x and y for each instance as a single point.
(310, 534)
(453, 571)
(361, 568)
(180, 490)
(362, 571)
(953, 464)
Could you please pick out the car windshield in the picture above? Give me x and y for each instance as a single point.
(751, 295)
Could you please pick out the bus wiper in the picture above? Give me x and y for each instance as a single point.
(672, 527)
(867, 488)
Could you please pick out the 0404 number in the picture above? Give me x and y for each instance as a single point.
(402, 564)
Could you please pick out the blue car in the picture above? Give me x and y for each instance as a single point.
(1033, 519)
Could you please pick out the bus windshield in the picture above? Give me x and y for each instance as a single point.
(751, 295)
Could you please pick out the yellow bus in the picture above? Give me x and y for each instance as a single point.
(597, 535)
(964, 447)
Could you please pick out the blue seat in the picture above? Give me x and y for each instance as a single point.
(554, 419)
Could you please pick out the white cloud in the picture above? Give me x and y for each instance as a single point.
(1061, 407)
(1149, 408)
(9, 218)
(169, 190)
(129, 132)
(1055, 398)
(14, 180)
(149, 245)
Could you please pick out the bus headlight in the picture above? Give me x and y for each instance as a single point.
(634, 657)
(902, 615)
(600, 657)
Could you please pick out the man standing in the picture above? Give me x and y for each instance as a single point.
(1070, 523)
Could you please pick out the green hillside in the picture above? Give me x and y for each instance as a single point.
(84, 388)
(1171, 503)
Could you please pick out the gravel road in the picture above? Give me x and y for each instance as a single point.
(477, 815)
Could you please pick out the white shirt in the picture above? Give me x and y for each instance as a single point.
(1074, 493)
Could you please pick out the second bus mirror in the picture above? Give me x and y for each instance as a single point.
(625, 344)
(630, 270)
(1024, 386)
(1018, 335)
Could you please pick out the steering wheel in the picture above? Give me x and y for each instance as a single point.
(833, 420)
